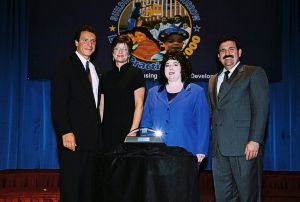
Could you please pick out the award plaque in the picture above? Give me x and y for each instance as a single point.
(144, 135)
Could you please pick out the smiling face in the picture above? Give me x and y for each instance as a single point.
(86, 44)
(173, 70)
(121, 53)
(228, 54)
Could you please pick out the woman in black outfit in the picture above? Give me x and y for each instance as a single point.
(122, 95)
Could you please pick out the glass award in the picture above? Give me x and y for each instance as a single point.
(144, 135)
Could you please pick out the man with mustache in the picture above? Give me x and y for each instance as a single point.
(238, 99)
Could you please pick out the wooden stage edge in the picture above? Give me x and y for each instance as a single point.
(42, 185)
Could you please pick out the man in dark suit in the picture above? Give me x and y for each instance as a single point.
(238, 98)
(75, 108)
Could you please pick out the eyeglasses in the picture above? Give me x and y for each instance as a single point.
(120, 49)
(87, 41)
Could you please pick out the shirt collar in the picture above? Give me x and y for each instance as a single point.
(123, 68)
(82, 59)
(232, 69)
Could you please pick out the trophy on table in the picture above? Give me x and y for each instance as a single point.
(144, 135)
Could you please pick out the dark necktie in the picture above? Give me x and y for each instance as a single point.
(87, 67)
(225, 79)
(226, 76)
(88, 72)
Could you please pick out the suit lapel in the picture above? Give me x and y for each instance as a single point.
(162, 95)
(181, 95)
(213, 90)
(231, 81)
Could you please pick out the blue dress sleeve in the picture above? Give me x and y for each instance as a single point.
(202, 127)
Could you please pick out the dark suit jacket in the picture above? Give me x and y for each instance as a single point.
(241, 113)
(72, 104)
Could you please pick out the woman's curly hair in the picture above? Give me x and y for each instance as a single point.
(186, 67)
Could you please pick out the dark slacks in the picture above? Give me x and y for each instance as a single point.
(236, 179)
(77, 179)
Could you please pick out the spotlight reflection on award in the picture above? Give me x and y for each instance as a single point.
(144, 135)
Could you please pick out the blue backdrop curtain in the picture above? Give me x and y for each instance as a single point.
(282, 150)
(27, 138)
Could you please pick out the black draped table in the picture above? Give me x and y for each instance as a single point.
(146, 173)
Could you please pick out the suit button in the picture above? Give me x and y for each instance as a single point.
(167, 121)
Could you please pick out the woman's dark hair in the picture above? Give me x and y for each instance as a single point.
(122, 38)
(186, 67)
(83, 29)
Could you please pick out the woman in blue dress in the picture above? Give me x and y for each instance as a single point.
(178, 108)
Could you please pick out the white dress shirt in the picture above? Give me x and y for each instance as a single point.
(221, 76)
(94, 76)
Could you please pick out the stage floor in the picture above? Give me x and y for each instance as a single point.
(43, 186)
